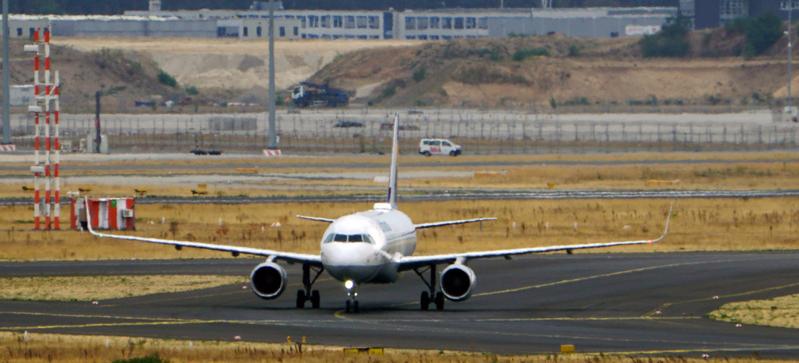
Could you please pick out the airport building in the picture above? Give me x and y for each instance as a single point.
(714, 13)
(439, 24)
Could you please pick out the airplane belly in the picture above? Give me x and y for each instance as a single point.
(387, 274)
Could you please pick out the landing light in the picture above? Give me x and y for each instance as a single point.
(349, 284)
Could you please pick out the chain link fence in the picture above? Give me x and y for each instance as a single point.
(479, 132)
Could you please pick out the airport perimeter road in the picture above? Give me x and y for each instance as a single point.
(633, 303)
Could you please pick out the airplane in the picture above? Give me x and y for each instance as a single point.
(373, 246)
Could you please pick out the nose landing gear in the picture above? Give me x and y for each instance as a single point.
(351, 306)
(430, 296)
(307, 294)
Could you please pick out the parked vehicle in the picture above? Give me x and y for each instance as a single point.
(321, 95)
(429, 147)
(348, 124)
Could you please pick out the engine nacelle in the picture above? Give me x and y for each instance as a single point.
(457, 282)
(268, 280)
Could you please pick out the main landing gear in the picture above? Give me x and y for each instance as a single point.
(351, 305)
(431, 296)
(307, 294)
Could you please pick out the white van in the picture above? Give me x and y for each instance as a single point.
(428, 147)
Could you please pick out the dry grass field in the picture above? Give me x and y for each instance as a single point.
(25, 347)
(90, 288)
(716, 171)
(697, 225)
(779, 312)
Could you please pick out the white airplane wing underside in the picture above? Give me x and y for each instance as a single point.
(410, 262)
(316, 219)
(291, 257)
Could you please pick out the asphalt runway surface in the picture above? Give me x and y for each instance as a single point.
(627, 303)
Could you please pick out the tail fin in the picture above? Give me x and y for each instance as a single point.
(392, 178)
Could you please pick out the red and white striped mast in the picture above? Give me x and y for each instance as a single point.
(45, 93)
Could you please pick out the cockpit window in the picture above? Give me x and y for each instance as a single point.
(351, 238)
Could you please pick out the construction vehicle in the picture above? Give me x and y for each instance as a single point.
(309, 94)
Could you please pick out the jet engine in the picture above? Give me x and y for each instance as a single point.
(457, 282)
(268, 280)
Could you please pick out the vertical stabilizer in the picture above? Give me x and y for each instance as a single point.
(392, 178)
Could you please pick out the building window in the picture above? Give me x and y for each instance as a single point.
(31, 31)
(422, 22)
(337, 21)
(259, 31)
(446, 23)
(458, 23)
(374, 22)
(349, 22)
(296, 31)
(471, 23)
(361, 21)
(246, 31)
(313, 21)
(19, 32)
(435, 22)
(423, 37)
(732, 9)
(302, 21)
(325, 21)
(434, 37)
(410, 23)
(282, 31)
(482, 23)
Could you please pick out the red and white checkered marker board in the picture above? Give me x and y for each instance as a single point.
(272, 153)
(107, 213)
(8, 148)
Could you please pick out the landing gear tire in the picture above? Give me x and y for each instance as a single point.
(315, 299)
(301, 298)
(425, 301)
(351, 306)
(440, 301)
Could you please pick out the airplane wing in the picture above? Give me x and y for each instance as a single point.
(451, 223)
(316, 219)
(291, 257)
(411, 262)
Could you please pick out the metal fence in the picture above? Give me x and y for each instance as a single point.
(488, 133)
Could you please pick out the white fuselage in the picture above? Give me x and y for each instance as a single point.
(366, 246)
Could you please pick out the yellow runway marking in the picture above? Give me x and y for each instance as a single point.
(727, 296)
(592, 277)
(101, 325)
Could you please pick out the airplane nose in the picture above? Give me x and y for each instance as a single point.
(351, 261)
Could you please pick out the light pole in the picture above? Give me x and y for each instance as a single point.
(789, 6)
(6, 87)
(272, 138)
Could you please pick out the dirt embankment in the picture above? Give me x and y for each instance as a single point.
(125, 77)
(555, 71)
(231, 69)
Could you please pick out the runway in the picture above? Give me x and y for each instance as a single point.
(630, 303)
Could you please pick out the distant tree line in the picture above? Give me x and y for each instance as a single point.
(119, 6)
